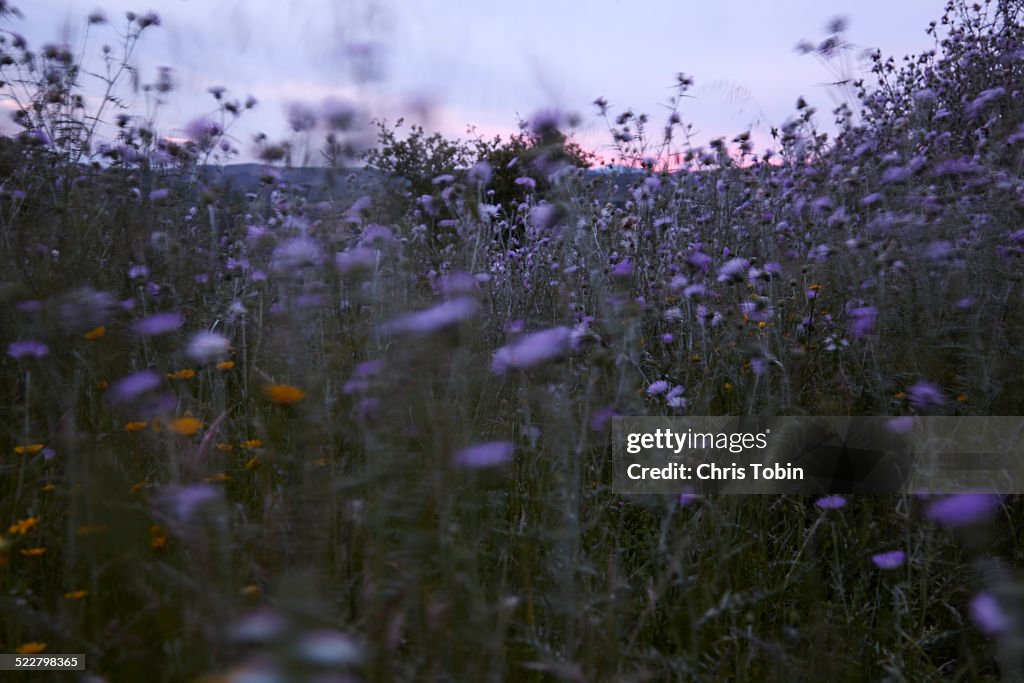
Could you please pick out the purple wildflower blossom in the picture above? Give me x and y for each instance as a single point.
(963, 509)
(924, 395)
(892, 559)
(988, 614)
(733, 270)
(159, 323)
(532, 350)
(602, 417)
(434, 319)
(127, 389)
(27, 348)
(485, 454)
(204, 347)
(862, 321)
(183, 502)
(657, 388)
(830, 502)
(623, 269)
(900, 425)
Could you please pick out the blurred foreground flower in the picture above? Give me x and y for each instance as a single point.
(987, 613)
(27, 348)
(185, 426)
(893, 559)
(33, 648)
(963, 509)
(485, 454)
(532, 350)
(28, 449)
(159, 323)
(205, 347)
(434, 319)
(284, 394)
(129, 388)
(23, 526)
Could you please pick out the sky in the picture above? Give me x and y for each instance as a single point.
(448, 64)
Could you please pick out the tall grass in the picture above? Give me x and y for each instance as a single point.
(261, 437)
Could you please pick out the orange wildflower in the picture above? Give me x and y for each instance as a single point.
(284, 394)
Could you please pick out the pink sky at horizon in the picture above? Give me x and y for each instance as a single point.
(449, 63)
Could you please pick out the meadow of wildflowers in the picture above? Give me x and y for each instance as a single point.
(362, 433)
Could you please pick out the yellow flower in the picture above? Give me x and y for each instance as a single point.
(187, 373)
(253, 463)
(32, 648)
(185, 426)
(814, 287)
(135, 425)
(224, 447)
(76, 595)
(225, 365)
(251, 592)
(138, 486)
(220, 476)
(252, 443)
(284, 394)
(762, 324)
(157, 537)
(23, 526)
(49, 487)
(30, 449)
(33, 552)
(158, 425)
(95, 333)
(963, 398)
(900, 395)
(728, 387)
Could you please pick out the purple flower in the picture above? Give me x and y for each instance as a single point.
(963, 509)
(830, 502)
(368, 369)
(355, 259)
(27, 348)
(601, 418)
(925, 395)
(694, 291)
(900, 425)
(159, 323)
(377, 233)
(862, 321)
(485, 454)
(298, 253)
(532, 350)
(184, 501)
(204, 347)
(623, 269)
(988, 614)
(657, 388)
(129, 388)
(699, 260)
(434, 319)
(893, 559)
(733, 270)
(301, 117)
(527, 182)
